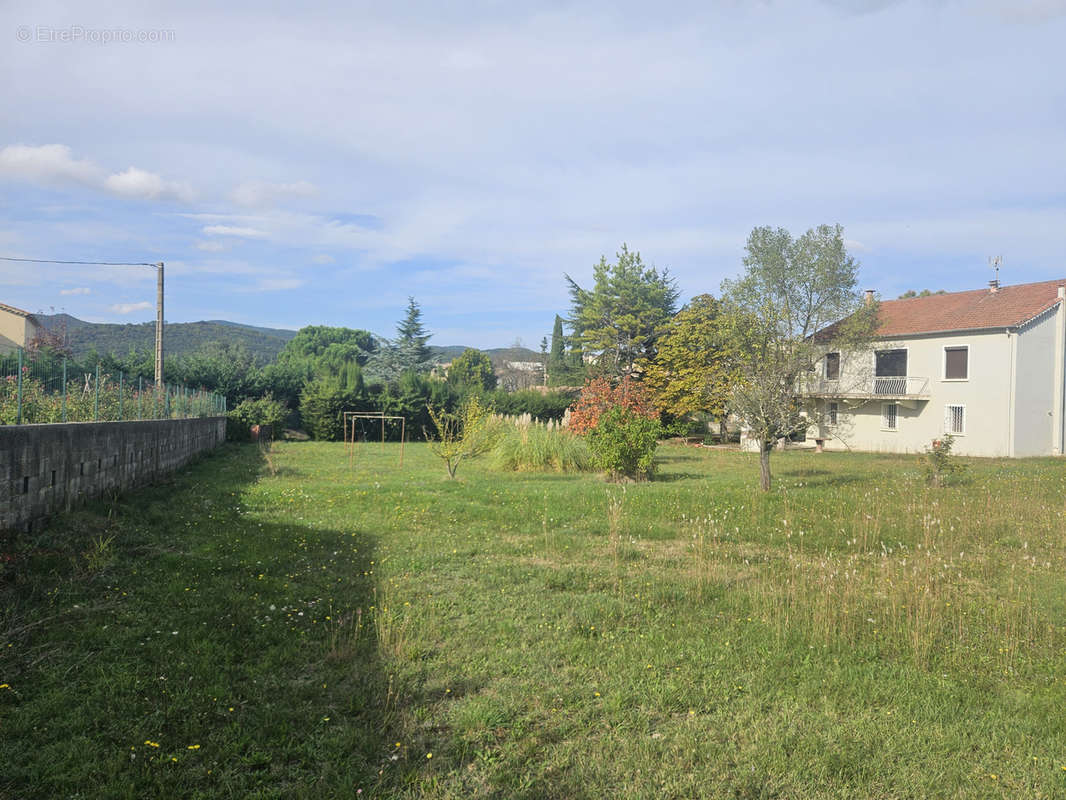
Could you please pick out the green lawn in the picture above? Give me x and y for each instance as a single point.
(293, 627)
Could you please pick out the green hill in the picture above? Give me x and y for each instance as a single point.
(182, 338)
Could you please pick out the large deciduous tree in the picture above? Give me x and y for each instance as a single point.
(796, 300)
(622, 316)
(696, 365)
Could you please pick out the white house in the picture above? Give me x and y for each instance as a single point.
(986, 366)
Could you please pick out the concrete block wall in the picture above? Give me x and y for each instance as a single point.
(45, 469)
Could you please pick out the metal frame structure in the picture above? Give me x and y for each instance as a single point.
(349, 444)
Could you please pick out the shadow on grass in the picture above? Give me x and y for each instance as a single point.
(820, 479)
(170, 643)
(663, 476)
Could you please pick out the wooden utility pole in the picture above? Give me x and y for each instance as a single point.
(159, 326)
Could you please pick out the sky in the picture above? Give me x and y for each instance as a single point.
(318, 163)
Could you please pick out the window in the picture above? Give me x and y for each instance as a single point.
(834, 410)
(832, 366)
(889, 416)
(957, 363)
(890, 363)
(955, 420)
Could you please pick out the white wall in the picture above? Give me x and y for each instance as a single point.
(1035, 393)
(985, 394)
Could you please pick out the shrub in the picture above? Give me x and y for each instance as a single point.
(259, 411)
(939, 462)
(322, 404)
(623, 444)
(598, 395)
(542, 406)
(541, 448)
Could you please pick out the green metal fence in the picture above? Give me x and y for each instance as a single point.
(38, 390)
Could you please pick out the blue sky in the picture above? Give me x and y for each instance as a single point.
(317, 163)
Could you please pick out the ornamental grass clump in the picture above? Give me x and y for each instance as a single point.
(539, 447)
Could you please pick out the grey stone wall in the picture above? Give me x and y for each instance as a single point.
(45, 469)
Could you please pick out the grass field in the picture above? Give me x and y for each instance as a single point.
(285, 626)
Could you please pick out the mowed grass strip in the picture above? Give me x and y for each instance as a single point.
(292, 626)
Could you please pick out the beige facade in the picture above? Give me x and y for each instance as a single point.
(17, 328)
(1009, 401)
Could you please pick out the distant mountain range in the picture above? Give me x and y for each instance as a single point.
(183, 338)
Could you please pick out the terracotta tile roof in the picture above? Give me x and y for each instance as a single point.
(956, 311)
(17, 311)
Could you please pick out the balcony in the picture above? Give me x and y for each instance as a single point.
(881, 388)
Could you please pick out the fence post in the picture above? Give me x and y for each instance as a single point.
(18, 403)
(140, 397)
(120, 386)
(96, 398)
(64, 388)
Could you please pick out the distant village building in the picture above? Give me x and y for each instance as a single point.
(987, 366)
(18, 328)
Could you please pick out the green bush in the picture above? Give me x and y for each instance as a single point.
(260, 411)
(623, 444)
(323, 402)
(541, 448)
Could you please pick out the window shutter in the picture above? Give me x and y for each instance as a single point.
(956, 363)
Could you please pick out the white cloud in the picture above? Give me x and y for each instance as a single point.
(212, 247)
(79, 290)
(129, 308)
(48, 163)
(139, 183)
(53, 163)
(257, 194)
(233, 230)
(323, 259)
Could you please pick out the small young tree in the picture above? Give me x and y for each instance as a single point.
(939, 462)
(463, 435)
(796, 301)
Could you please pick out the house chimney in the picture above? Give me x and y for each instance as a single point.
(869, 297)
(993, 286)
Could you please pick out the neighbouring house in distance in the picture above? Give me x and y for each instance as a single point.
(18, 328)
(987, 366)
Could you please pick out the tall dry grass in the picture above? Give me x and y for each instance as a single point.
(541, 447)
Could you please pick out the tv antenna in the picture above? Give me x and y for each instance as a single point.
(994, 262)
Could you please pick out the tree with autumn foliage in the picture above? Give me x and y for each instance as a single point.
(599, 395)
(696, 366)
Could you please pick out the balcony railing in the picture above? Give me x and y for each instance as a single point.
(885, 387)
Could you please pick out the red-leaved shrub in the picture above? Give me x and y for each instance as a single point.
(598, 395)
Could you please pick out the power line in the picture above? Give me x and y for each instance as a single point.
(91, 263)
